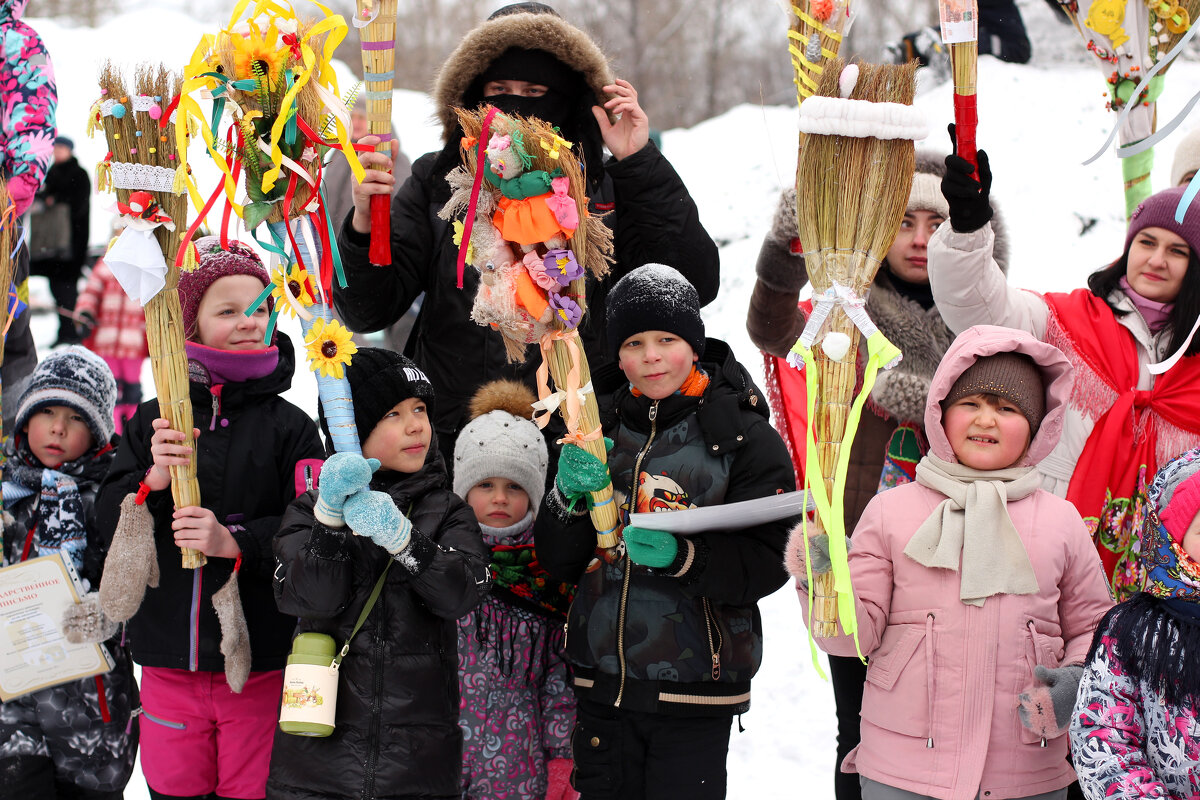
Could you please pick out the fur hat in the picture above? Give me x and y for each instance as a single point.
(654, 297)
(1176, 494)
(77, 378)
(501, 441)
(215, 263)
(1012, 376)
(1187, 157)
(380, 380)
(1158, 211)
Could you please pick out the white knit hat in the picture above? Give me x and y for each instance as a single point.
(1187, 156)
(502, 442)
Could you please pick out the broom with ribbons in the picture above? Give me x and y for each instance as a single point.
(10, 241)
(272, 70)
(815, 36)
(855, 168)
(525, 228)
(145, 168)
(1134, 42)
(376, 24)
(960, 30)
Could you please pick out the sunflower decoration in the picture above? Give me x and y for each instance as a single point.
(329, 348)
(259, 54)
(292, 287)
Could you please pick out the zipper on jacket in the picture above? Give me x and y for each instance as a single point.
(633, 496)
(710, 624)
(929, 618)
(215, 391)
(194, 627)
(373, 741)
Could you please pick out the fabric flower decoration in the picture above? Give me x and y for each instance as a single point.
(562, 266)
(566, 310)
(536, 267)
(298, 284)
(329, 348)
(458, 234)
(261, 48)
(562, 205)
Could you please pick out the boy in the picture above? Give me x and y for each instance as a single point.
(397, 709)
(664, 633)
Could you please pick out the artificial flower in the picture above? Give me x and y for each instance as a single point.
(562, 266)
(458, 234)
(299, 286)
(261, 48)
(329, 348)
(566, 310)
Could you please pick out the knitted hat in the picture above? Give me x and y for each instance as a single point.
(1176, 493)
(65, 141)
(654, 297)
(1187, 157)
(380, 380)
(215, 263)
(501, 441)
(926, 193)
(1158, 211)
(77, 378)
(1012, 376)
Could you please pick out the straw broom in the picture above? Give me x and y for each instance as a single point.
(814, 36)
(563, 354)
(379, 57)
(164, 320)
(960, 30)
(853, 199)
(8, 228)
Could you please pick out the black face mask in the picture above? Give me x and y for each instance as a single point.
(552, 107)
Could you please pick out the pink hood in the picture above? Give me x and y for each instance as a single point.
(986, 340)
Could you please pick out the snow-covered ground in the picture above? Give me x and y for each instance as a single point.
(1037, 125)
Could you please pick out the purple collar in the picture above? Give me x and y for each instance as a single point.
(1153, 312)
(234, 366)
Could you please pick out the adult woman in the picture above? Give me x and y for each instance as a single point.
(1124, 420)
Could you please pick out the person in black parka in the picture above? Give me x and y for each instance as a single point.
(396, 731)
(526, 60)
(68, 183)
(209, 725)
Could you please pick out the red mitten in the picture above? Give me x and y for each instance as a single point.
(558, 771)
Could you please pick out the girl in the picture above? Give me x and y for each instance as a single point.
(517, 705)
(977, 578)
(403, 533)
(1133, 730)
(1123, 420)
(77, 739)
(210, 733)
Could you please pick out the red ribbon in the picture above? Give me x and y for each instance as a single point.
(468, 223)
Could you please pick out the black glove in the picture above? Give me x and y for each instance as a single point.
(85, 324)
(967, 196)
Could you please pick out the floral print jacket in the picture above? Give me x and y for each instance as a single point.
(27, 127)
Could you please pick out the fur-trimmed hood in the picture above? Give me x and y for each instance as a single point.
(532, 31)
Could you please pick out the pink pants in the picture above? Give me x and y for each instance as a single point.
(198, 737)
(128, 372)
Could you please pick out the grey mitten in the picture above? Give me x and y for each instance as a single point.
(235, 637)
(817, 557)
(902, 394)
(1046, 708)
(85, 622)
(780, 263)
(131, 564)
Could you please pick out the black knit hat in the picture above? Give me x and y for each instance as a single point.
(654, 297)
(1013, 376)
(379, 380)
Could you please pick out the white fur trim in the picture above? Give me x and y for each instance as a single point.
(838, 116)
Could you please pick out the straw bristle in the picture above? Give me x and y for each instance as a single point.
(800, 36)
(1192, 8)
(382, 29)
(8, 229)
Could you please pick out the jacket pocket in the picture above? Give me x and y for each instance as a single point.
(897, 694)
(1041, 649)
(596, 748)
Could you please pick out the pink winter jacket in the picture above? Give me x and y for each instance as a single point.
(939, 711)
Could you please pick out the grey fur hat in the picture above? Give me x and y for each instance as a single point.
(501, 441)
(77, 378)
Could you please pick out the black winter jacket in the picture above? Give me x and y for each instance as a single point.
(251, 457)
(653, 219)
(637, 637)
(396, 733)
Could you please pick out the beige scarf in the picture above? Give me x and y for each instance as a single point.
(973, 522)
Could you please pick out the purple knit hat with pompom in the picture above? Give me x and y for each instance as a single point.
(215, 263)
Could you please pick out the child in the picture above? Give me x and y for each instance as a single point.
(114, 327)
(77, 739)
(517, 707)
(977, 581)
(664, 635)
(396, 731)
(210, 696)
(1133, 733)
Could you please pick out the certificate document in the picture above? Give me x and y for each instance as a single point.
(34, 653)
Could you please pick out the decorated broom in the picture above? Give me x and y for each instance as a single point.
(9, 242)
(1134, 42)
(960, 30)
(273, 71)
(856, 168)
(814, 36)
(145, 169)
(527, 231)
(376, 23)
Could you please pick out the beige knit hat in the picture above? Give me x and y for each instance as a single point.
(1012, 376)
(1187, 157)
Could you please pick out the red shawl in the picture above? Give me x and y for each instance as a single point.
(1119, 457)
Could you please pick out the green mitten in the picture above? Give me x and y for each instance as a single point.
(581, 473)
(650, 548)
